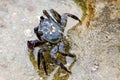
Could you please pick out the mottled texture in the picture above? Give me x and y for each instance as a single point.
(17, 21)
(97, 48)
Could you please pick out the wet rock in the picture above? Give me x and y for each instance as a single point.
(98, 44)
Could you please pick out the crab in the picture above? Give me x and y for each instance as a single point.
(50, 33)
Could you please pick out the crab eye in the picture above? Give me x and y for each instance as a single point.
(42, 18)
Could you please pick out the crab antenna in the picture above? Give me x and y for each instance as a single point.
(41, 17)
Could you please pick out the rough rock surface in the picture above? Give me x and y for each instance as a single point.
(17, 21)
(97, 49)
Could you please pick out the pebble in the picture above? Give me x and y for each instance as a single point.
(24, 19)
(69, 61)
(62, 74)
(28, 33)
(41, 78)
(95, 68)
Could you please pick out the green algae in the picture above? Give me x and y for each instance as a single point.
(82, 5)
(51, 66)
(88, 9)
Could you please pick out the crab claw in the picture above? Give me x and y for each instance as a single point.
(30, 45)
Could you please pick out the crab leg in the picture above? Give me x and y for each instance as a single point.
(56, 15)
(40, 56)
(49, 17)
(67, 54)
(62, 51)
(46, 13)
(53, 53)
(60, 64)
(64, 18)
